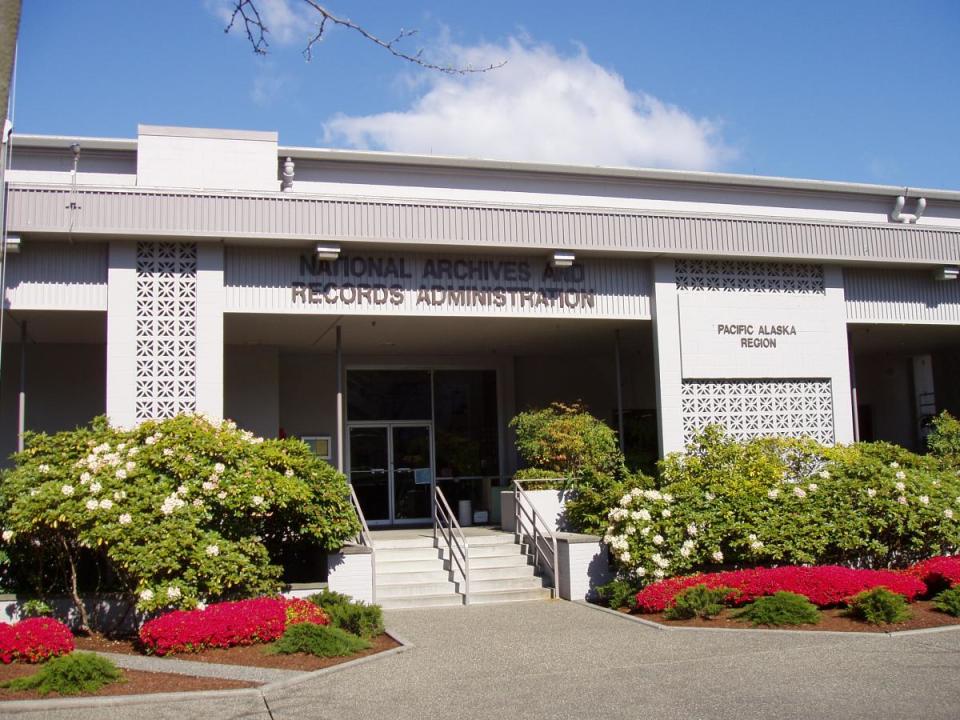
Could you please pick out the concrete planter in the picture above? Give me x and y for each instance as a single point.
(548, 503)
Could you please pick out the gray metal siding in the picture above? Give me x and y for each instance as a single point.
(57, 276)
(900, 296)
(113, 211)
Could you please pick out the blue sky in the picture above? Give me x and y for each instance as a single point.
(856, 90)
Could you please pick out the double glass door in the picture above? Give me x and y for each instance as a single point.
(392, 472)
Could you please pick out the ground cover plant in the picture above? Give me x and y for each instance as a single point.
(826, 586)
(34, 640)
(72, 674)
(781, 608)
(319, 640)
(879, 607)
(173, 513)
(353, 616)
(787, 501)
(243, 622)
(948, 601)
(698, 601)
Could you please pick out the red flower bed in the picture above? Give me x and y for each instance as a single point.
(824, 586)
(224, 625)
(34, 640)
(937, 571)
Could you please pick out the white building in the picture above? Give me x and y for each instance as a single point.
(216, 271)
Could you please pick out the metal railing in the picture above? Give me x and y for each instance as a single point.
(528, 523)
(445, 525)
(365, 539)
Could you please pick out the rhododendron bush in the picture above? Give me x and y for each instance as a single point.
(179, 512)
(34, 640)
(765, 501)
(824, 586)
(223, 625)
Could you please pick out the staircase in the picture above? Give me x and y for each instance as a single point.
(414, 572)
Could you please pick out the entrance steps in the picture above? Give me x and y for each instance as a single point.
(412, 571)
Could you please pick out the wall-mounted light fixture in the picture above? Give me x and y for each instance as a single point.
(562, 259)
(326, 251)
(13, 244)
(947, 272)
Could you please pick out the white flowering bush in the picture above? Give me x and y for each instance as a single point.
(177, 512)
(767, 501)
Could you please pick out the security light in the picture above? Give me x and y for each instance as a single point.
(947, 272)
(13, 244)
(561, 259)
(325, 251)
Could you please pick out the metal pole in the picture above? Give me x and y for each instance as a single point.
(22, 412)
(854, 399)
(339, 400)
(616, 351)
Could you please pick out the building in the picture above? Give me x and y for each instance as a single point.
(397, 310)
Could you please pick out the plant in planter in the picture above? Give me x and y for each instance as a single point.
(698, 601)
(319, 640)
(948, 601)
(781, 608)
(879, 607)
(355, 617)
(69, 675)
(34, 640)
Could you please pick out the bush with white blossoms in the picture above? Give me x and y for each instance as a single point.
(178, 511)
(770, 501)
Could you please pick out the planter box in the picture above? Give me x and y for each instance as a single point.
(548, 503)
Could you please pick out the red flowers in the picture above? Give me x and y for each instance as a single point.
(34, 640)
(824, 586)
(938, 571)
(223, 625)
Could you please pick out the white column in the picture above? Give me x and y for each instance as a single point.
(666, 350)
(210, 303)
(839, 355)
(122, 333)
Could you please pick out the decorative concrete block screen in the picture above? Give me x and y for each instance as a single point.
(744, 276)
(757, 408)
(166, 368)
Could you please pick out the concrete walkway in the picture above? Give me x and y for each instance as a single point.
(562, 660)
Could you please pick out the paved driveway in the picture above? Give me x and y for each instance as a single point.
(562, 660)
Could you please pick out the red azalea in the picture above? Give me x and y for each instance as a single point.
(223, 625)
(937, 571)
(824, 586)
(34, 640)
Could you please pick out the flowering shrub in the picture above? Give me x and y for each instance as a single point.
(244, 622)
(181, 511)
(773, 500)
(938, 572)
(34, 640)
(824, 586)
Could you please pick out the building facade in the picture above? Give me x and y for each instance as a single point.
(396, 311)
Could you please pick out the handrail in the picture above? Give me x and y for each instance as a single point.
(365, 539)
(536, 534)
(446, 524)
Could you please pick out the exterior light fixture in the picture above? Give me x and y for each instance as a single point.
(13, 244)
(562, 259)
(947, 272)
(326, 251)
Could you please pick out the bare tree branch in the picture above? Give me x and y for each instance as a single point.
(246, 11)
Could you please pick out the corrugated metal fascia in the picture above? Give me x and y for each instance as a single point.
(58, 276)
(900, 296)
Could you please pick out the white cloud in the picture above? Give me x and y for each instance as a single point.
(540, 106)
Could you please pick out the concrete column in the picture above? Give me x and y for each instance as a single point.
(210, 303)
(666, 350)
(840, 355)
(122, 333)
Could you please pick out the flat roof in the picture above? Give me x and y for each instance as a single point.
(600, 172)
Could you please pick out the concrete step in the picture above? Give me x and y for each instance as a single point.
(501, 573)
(402, 554)
(397, 603)
(402, 578)
(493, 562)
(414, 589)
(407, 566)
(476, 551)
(500, 538)
(400, 543)
(481, 586)
(504, 596)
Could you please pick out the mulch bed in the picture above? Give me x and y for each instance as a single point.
(134, 682)
(924, 616)
(250, 655)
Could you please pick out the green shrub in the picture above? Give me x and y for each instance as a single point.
(698, 601)
(355, 617)
(79, 672)
(35, 608)
(319, 640)
(618, 593)
(785, 501)
(879, 607)
(948, 601)
(781, 608)
(944, 440)
(180, 511)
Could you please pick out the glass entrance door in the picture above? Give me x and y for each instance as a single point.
(391, 470)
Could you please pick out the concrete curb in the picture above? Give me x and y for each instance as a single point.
(833, 633)
(257, 693)
(195, 668)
